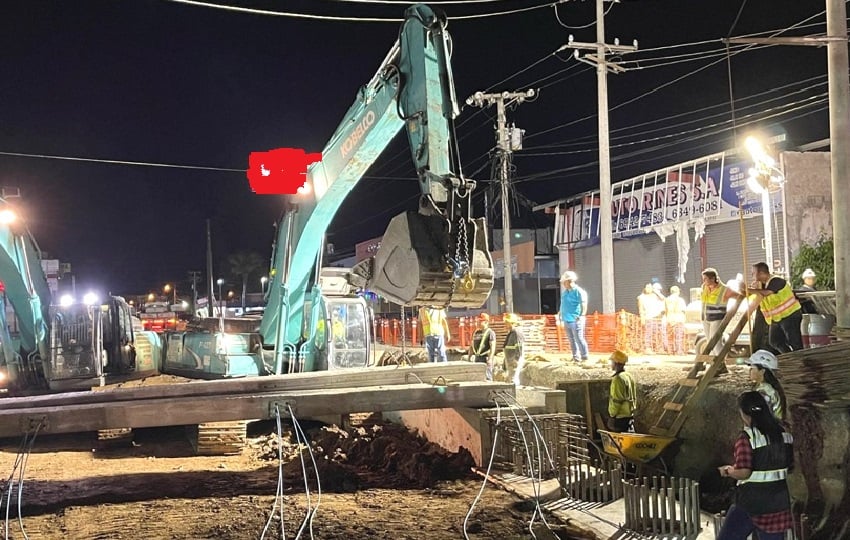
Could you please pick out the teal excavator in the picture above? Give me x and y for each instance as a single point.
(59, 347)
(436, 256)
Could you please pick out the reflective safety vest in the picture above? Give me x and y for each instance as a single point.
(766, 490)
(622, 396)
(432, 322)
(713, 304)
(780, 305)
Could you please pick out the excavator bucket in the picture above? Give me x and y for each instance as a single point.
(428, 273)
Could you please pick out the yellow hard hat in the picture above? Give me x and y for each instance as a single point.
(512, 318)
(619, 357)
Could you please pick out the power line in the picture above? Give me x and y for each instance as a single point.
(298, 15)
(120, 162)
(545, 174)
(592, 139)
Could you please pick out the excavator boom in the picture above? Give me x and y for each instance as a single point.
(438, 255)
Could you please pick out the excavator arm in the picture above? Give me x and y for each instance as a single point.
(27, 291)
(436, 256)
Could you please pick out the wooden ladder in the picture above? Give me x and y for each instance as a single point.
(690, 389)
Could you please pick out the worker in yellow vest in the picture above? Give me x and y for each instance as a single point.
(780, 308)
(622, 395)
(483, 347)
(715, 296)
(435, 328)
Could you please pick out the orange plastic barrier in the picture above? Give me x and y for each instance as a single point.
(604, 333)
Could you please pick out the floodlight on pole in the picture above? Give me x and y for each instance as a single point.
(220, 282)
(764, 179)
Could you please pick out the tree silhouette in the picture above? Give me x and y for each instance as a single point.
(245, 264)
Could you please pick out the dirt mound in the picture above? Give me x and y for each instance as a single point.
(362, 457)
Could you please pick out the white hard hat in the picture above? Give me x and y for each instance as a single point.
(765, 359)
(808, 272)
(569, 276)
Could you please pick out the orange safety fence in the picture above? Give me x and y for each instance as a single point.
(546, 333)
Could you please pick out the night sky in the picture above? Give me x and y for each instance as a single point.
(161, 82)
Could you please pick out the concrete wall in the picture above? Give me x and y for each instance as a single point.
(808, 197)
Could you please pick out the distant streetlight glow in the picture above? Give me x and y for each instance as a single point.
(90, 299)
(220, 282)
(263, 281)
(169, 288)
(66, 300)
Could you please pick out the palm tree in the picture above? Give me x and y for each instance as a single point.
(245, 264)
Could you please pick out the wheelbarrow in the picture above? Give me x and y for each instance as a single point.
(638, 449)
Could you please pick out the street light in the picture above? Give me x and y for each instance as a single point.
(167, 289)
(764, 179)
(219, 282)
(263, 281)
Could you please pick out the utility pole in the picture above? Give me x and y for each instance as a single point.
(194, 276)
(839, 124)
(839, 144)
(506, 143)
(606, 235)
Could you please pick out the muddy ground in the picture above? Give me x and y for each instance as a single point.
(377, 481)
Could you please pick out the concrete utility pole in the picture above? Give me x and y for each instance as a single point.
(839, 135)
(606, 235)
(506, 143)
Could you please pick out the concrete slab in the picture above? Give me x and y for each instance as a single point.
(470, 428)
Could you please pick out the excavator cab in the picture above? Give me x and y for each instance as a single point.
(77, 356)
(422, 262)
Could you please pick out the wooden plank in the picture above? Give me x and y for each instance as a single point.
(247, 406)
(670, 406)
(343, 378)
(688, 382)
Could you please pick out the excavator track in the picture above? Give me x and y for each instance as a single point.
(219, 438)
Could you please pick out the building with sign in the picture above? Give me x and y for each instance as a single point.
(671, 223)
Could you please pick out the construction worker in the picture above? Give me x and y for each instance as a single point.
(763, 454)
(781, 310)
(674, 322)
(483, 348)
(714, 295)
(763, 366)
(651, 311)
(622, 396)
(435, 328)
(572, 313)
(513, 348)
(809, 278)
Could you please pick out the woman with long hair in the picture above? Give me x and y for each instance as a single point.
(763, 455)
(763, 366)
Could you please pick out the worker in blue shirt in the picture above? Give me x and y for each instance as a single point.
(572, 314)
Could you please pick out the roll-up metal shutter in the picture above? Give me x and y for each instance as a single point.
(637, 261)
(588, 267)
(724, 246)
